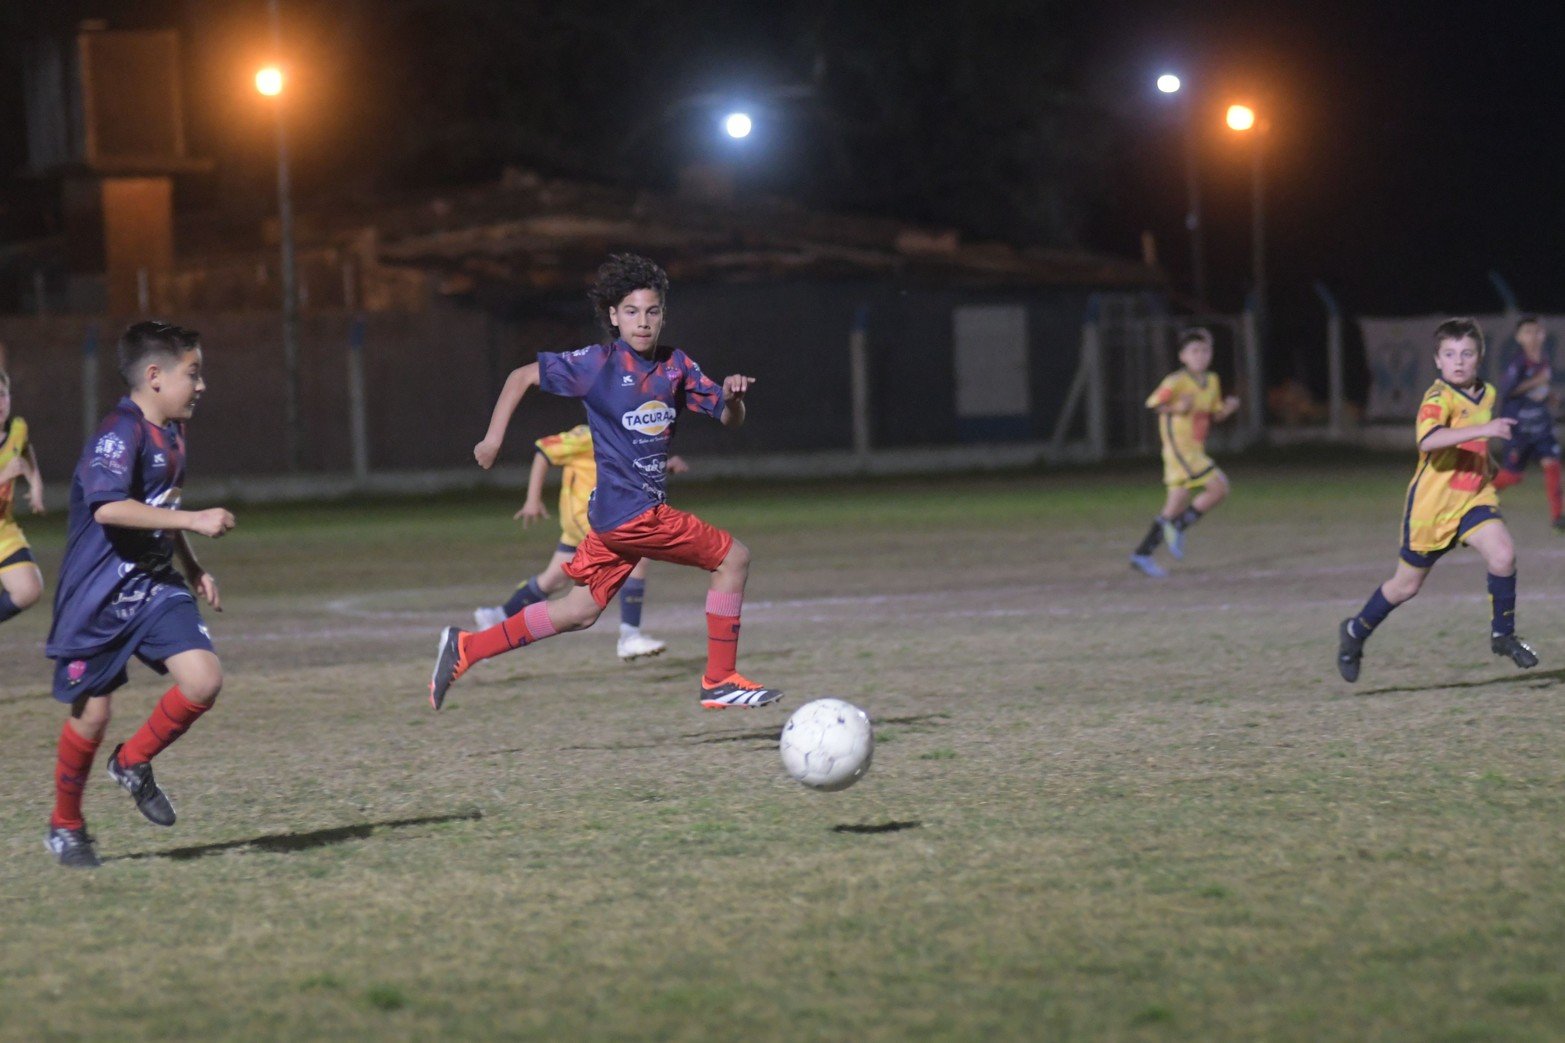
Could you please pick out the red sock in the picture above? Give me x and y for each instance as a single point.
(722, 634)
(1506, 479)
(530, 624)
(170, 719)
(72, 764)
(1551, 485)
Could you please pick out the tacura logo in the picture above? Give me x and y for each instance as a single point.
(650, 418)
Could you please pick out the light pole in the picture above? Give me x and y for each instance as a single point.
(1243, 120)
(270, 82)
(1170, 84)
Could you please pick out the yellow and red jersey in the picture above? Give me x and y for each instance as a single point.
(571, 452)
(13, 444)
(1449, 482)
(1184, 433)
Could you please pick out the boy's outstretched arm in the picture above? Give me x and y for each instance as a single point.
(521, 380)
(34, 481)
(1446, 437)
(133, 514)
(533, 509)
(734, 388)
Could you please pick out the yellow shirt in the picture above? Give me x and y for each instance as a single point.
(13, 445)
(1449, 482)
(571, 452)
(1185, 462)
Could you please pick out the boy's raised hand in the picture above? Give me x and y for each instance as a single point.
(735, 386)
(486, 452)
(213, 522)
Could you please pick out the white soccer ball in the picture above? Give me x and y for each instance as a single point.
(827, 744)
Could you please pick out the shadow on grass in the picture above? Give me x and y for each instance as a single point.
(287, 843)
(877, 827)
(1546, 679)
(755, 735)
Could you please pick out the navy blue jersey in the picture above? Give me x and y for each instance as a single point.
(633, 404)
(111, 575)
(1530, 408)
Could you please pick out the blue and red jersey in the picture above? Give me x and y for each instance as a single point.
(633, 404)
(1529, 408)
(111, 576)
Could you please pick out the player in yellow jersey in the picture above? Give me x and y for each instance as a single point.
(571, 452)
(1450, 500)
(1188, 402)
(21, 583)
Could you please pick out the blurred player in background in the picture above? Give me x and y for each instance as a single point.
(1188, 402)
(634, 390)
(1527, 397)
(120, 593)
(21, 584)
(1451, 500)
(571, 452)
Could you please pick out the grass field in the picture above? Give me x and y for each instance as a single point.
(1102, 807)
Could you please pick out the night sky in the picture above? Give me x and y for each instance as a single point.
(1413, 147)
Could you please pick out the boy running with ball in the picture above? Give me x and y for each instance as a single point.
(1451, 500)
(633, 389)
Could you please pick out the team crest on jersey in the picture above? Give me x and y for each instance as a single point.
(75, 671)
(650, 418)
(110, 453)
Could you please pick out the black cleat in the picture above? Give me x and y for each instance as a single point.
(137, 779)
(72, 848)
(450, 664)
(1519, 651)
(1350, 651)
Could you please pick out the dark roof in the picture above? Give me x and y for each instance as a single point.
(540, 234)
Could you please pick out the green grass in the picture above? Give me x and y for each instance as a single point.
(1103, 808)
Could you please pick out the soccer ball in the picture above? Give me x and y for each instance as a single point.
(827, 744)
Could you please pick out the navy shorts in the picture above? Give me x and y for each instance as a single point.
(1470, 521)
(1524, 448)
(169, 629)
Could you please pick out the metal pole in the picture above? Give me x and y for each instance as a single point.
(293, 433)
(1097, 393)
(1255, 406)
(90, 382)
(1193, 210)
(1333, 359)
(1258, 265)
(858, 374)
(357, 416)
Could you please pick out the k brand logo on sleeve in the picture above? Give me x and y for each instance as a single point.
(650, 418)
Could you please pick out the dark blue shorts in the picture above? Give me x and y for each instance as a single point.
(169, 629)
(1470, 521)
(1524, 448)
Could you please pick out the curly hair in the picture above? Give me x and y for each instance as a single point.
(619, 277)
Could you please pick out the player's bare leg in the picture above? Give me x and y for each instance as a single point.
(1404, 583)
(633, 643)
(67, 839)
(198, 678)
(723, 686)
(20, 588)
(1492, 541)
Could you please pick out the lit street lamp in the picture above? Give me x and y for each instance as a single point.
(269, 82)
(1170, 85)
(738, 125)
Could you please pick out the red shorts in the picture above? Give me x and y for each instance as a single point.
(604, 559)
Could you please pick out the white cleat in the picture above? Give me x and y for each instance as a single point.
(633, 644)
(488, 617)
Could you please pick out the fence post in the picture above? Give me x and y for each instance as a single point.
(357, 420)
(1097, 394)
(90, 382)
(1336, 407)
(1256, 406)
(858, 375)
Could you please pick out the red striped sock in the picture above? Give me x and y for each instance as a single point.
(530, 624)
(1551, 485)
(722, 634)
(72, 765)
(170, 719)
